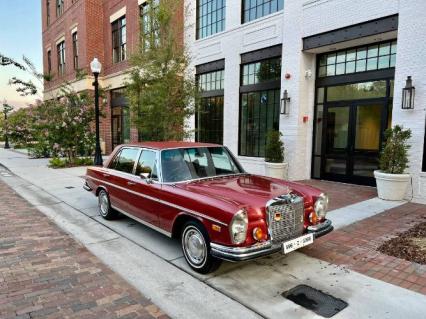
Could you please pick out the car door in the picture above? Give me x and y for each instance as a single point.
(146, 190)
(120, 175)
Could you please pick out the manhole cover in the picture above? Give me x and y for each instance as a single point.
(313, 299)
(69, 187)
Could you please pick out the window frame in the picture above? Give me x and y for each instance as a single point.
(47, 12)
(199, 17)
(147, 9)
(119, 49)
(75, 49)
(243, 10)
(156, 163)
(49, 61)
(60, 4)
(61, 58)
(270, 86)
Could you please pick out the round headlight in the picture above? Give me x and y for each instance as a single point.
(321, 206)
(238, 227)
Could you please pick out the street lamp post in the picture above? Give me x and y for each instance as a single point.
(96, 68)
(6, 109)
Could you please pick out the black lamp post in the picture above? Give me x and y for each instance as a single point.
(96, 68)
(6, 109)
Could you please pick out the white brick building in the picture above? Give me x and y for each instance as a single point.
(343, 64)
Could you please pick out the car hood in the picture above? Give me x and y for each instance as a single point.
(241, 190)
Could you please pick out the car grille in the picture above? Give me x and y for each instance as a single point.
(290, 209)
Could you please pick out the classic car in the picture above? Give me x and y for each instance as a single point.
(200, 194)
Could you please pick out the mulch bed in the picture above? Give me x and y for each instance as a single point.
(409, 245)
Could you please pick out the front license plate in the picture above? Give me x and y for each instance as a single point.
(297, 243)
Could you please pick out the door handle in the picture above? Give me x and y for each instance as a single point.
(131, 183)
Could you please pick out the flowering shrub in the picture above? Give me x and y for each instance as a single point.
(62, 127)
(19, 123)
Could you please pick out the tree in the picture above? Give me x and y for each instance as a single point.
(160, 93)
(394, 157)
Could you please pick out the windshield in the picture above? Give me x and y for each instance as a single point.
(184, 164)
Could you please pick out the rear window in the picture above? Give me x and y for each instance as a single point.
(125, 161)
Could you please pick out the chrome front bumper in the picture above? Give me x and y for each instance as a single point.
(264, 248)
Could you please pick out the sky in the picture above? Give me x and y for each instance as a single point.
(20, 34)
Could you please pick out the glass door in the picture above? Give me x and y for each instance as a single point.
(353, 134)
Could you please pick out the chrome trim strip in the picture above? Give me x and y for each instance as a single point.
(183, 209)
(160, 230)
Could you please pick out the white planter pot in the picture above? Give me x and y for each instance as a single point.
(391, 186)
(276, 170)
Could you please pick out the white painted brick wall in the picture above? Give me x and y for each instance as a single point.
(300, 19)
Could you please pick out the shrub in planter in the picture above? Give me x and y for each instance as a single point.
(274, 156)
(391, 181)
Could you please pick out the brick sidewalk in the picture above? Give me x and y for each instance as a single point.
(341, 194)
(355, 247)
(44, 273)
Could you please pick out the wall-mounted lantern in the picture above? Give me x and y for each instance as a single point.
(285, 103)
(408, 94)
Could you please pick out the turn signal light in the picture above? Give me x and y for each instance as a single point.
(258, 233)
(313, 218)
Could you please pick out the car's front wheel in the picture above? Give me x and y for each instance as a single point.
(104, 206)
(196, 248)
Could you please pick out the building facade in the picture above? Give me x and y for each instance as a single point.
(328, 74)
(76, 31)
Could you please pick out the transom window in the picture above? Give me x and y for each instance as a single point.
(211, 81)
(262, 71)
(119, 40)
(150, 31)
(210, 17)
(255, 9)
(61, 58)
(366, 58)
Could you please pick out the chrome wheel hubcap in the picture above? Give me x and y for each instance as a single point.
(103, 204)
(195, 246)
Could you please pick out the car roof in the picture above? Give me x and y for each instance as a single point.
(170, 145)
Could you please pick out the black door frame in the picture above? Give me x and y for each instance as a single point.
(385, 75)
(350, 154)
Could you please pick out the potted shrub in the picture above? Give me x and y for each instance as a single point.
(391, 180)
(274, 156)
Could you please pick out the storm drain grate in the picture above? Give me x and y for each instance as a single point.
(69, 187)
(313, 299)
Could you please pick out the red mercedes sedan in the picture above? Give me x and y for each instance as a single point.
(200, 194)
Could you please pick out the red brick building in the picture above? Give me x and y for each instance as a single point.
(76, 31)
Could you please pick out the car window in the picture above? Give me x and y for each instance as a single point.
(222, 163)
(199, 160)
(174, 166)
(125, 161)
(147, 164)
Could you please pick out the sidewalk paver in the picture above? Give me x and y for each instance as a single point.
(45, 273)
(342, 194)
(355, 246)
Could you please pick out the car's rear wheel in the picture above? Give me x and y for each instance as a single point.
(196, 248)
(104, 206)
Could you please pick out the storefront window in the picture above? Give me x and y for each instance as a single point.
(209, 118)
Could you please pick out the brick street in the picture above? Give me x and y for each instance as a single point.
(44, 273)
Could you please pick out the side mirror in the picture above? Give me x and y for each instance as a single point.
(146, 178)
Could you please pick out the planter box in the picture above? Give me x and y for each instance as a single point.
(391, 186)
(276, 170)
